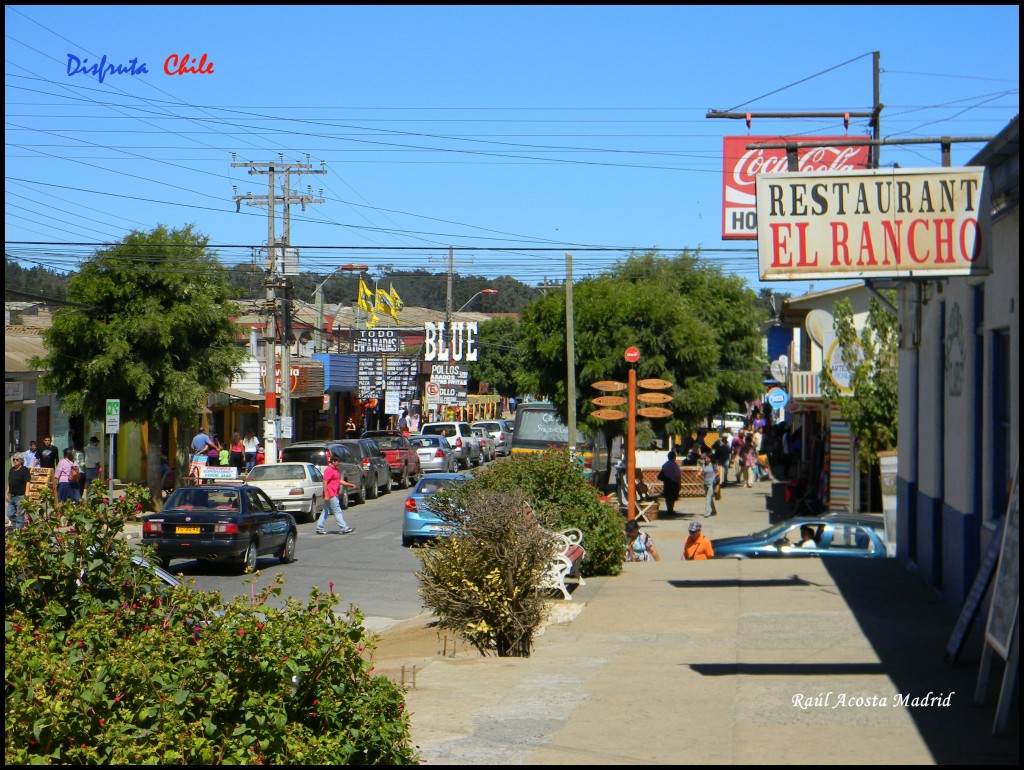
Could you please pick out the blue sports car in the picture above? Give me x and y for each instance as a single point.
(833, 535)
(419, 522)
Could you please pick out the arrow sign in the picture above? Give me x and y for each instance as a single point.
(608, 414)
(655, 384)
(610, 385)
(654, 411)
(609, 401)
(654, 398)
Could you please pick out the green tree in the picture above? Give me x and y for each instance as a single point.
(693, 326)
(151, 325)
(499, 357)
(872, 357)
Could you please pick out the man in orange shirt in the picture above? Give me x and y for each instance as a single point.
(697, 547)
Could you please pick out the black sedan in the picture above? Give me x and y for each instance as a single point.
(219, 522)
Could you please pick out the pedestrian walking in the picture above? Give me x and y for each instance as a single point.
(93, 458)
(249, 445)
(18, 478)
(48, 456)
(236, 454)
(640, 546)
(333, 482)
(671, 477)
(30, 459)
(697, 547)
(710, 473)
(67, 473)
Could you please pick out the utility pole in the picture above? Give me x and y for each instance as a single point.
(570, 356)
(275, 279)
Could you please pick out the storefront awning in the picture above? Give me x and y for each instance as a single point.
(244, 395)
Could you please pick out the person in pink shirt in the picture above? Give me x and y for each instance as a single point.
(332, 500)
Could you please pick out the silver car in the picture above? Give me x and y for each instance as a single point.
(460, 436)
(487, 447)
(501, 432)
(435, 453)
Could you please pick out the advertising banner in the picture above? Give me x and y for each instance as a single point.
(885, 223)
(740, 167)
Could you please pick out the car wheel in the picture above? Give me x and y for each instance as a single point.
(464, 464)
(386, 489)
(249, 559)
(344, 498)
(287, 555)
(404, 481)
(407, 541)
(373, 490)
(361, 494)
(312, 509)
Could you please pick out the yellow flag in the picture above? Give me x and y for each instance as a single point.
(396, 302)
(365, 297)
(384, 304)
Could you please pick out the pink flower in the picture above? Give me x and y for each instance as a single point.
(241, 632)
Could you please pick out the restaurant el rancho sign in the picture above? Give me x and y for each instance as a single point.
(884, 223)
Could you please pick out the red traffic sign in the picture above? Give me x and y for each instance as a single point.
(632, 355)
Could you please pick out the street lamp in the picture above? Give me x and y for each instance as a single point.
(318, 294)
(482, 291)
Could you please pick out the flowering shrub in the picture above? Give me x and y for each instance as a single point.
(482, 580)
(106, 664)
(561, 494)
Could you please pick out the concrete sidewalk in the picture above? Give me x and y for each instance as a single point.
(730, 662)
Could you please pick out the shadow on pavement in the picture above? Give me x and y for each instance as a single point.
(909, 626)
(787, 669)
(745, 583)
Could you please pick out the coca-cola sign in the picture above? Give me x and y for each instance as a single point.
(742, 166)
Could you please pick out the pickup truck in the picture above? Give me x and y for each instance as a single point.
(400, 454)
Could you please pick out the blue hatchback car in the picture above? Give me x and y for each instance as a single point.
(847, 536)
(419, 522)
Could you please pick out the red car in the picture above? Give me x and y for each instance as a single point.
(400, 454)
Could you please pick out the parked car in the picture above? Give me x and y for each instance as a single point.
(220, 522)
(487, 448)
(319, 453)
(836, 535)
(376, 471)
(501, 432)
(419, 522)
(435, 453)
(294, 487)
(400, 454)
(460, 436)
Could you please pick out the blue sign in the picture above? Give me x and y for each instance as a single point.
(778, 398)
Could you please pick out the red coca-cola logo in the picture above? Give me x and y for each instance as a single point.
(754, 162)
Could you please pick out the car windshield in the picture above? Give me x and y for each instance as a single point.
(425, 441)
(440, 430)
(276, 473)
(199, 498)
(429, 486)
(304, 454)
(388, 442)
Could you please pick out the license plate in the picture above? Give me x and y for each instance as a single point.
(186, 530)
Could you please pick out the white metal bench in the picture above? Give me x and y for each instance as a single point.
(565, 563)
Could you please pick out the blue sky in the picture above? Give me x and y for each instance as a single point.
(514, 133)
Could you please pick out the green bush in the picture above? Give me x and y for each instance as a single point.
(105, 664)
(562, 496)
(482, 580)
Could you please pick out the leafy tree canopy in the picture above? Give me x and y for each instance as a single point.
(872, 356)
(693, 326)
(500, 356)
(151, 325)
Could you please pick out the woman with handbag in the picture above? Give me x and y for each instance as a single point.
(68, 475)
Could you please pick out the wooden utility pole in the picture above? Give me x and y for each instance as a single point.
(275, 267)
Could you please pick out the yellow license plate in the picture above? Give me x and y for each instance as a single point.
(186, 531)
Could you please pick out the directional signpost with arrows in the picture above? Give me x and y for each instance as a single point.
(608, 412)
